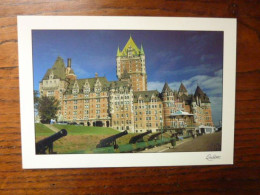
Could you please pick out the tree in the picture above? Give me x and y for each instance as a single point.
(36, 99)
(48, 108)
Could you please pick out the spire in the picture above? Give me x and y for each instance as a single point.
(142, 50)
(118, 51)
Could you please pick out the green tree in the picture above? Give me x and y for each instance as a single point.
(48, 108)
(36, 99)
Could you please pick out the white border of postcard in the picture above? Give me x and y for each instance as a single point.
(32, 161)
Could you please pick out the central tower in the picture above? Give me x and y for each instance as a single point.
(130, 63)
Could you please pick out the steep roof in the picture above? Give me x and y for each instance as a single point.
(146, 95)
(203, 96)
(182, 88)
(130, 43)
(166, 88)
(118, 84)
(81, 82)
(58, 70)
(199, 92)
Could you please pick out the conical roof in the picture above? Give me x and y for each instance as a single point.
(199, 92)
(182, 88)
(118, 52)
(166, 88)
(142, 50)
(203, 96)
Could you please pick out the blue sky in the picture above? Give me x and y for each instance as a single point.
(191, 57)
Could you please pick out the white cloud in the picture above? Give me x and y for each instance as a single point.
(81, 72)
(155, 86)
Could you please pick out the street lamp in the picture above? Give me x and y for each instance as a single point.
(161, 125)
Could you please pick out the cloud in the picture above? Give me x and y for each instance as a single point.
(80, 72)
(155, 86)
(211, 85)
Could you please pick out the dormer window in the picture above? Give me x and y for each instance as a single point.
(51, 75)
(75, 89)
(130, 52)
(86, 90)
(98, 86)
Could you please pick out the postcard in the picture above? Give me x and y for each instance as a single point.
(126, 91)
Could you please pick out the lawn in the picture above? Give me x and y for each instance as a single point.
(80, 139)
(83, 130)
(41, 130)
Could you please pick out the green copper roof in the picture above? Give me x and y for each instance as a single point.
(130, 43)
(146, 95)
(142, 50)
(118, 52)
(91, 81)
(58, 70)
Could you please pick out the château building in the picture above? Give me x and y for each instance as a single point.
(125, 104)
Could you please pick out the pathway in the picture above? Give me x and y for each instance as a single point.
(208, 142)
(51, 127)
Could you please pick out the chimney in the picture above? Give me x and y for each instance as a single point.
(69, 63)
(96, 75)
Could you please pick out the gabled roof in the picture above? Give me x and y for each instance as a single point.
(58, 70)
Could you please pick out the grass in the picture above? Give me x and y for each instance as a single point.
(83, 130)
(42, 130)
(81, 139)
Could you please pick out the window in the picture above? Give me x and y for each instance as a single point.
(98, 100)
(50, 93)
(75, 107)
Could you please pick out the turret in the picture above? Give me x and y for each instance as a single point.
(182, 90)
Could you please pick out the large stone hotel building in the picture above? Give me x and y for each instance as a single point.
(125, 104)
